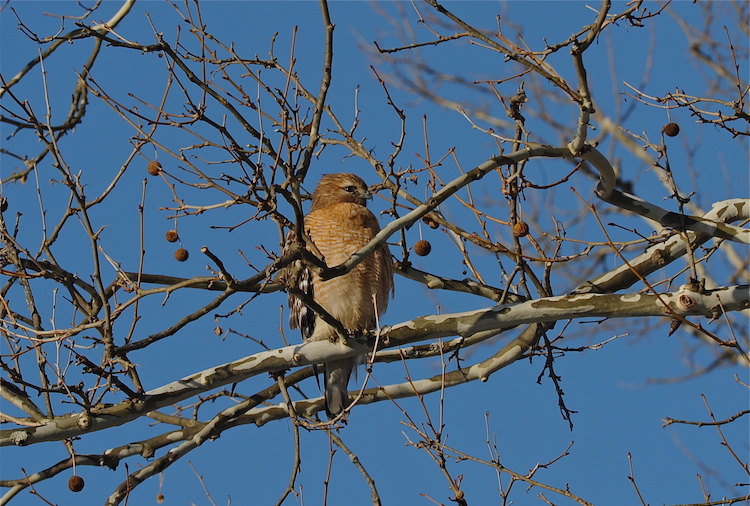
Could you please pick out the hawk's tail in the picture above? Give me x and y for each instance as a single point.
(336, 377)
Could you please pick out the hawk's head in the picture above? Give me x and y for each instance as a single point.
(342, 187)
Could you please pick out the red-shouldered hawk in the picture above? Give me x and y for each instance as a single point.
(339, 224)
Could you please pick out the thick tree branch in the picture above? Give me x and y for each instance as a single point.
(685, 302)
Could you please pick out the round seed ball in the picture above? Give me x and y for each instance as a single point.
(172, 236)
(671, 129)
(422, 248)
(181, 255)
(154, 168)
(520, 229)
(75, 483)
(430, 222)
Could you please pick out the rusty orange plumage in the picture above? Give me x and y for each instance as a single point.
(339, 224)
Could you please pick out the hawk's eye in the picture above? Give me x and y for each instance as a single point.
(350, 189)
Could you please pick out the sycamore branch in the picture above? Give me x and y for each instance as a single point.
(687, 301)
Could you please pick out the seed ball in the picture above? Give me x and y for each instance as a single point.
(181, 255)
(172, 236)
(159, 498)
(431, 222)
(671, 129)
(520, 229)
(75, 483)
(154, 168)
(422, 248)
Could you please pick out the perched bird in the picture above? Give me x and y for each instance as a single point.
(339, 224)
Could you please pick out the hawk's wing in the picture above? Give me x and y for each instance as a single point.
(297, 276)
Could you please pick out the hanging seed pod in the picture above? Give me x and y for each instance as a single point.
(154, 168)
(671, 129)
(172, 236)
(422, 248)
(430, 222)
(181, 255)
(520, 229)
(76, 483)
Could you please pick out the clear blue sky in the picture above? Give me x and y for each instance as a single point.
(620, 407)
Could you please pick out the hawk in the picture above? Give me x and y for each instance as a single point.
(339, 224)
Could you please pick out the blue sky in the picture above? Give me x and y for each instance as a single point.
(620, 408)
